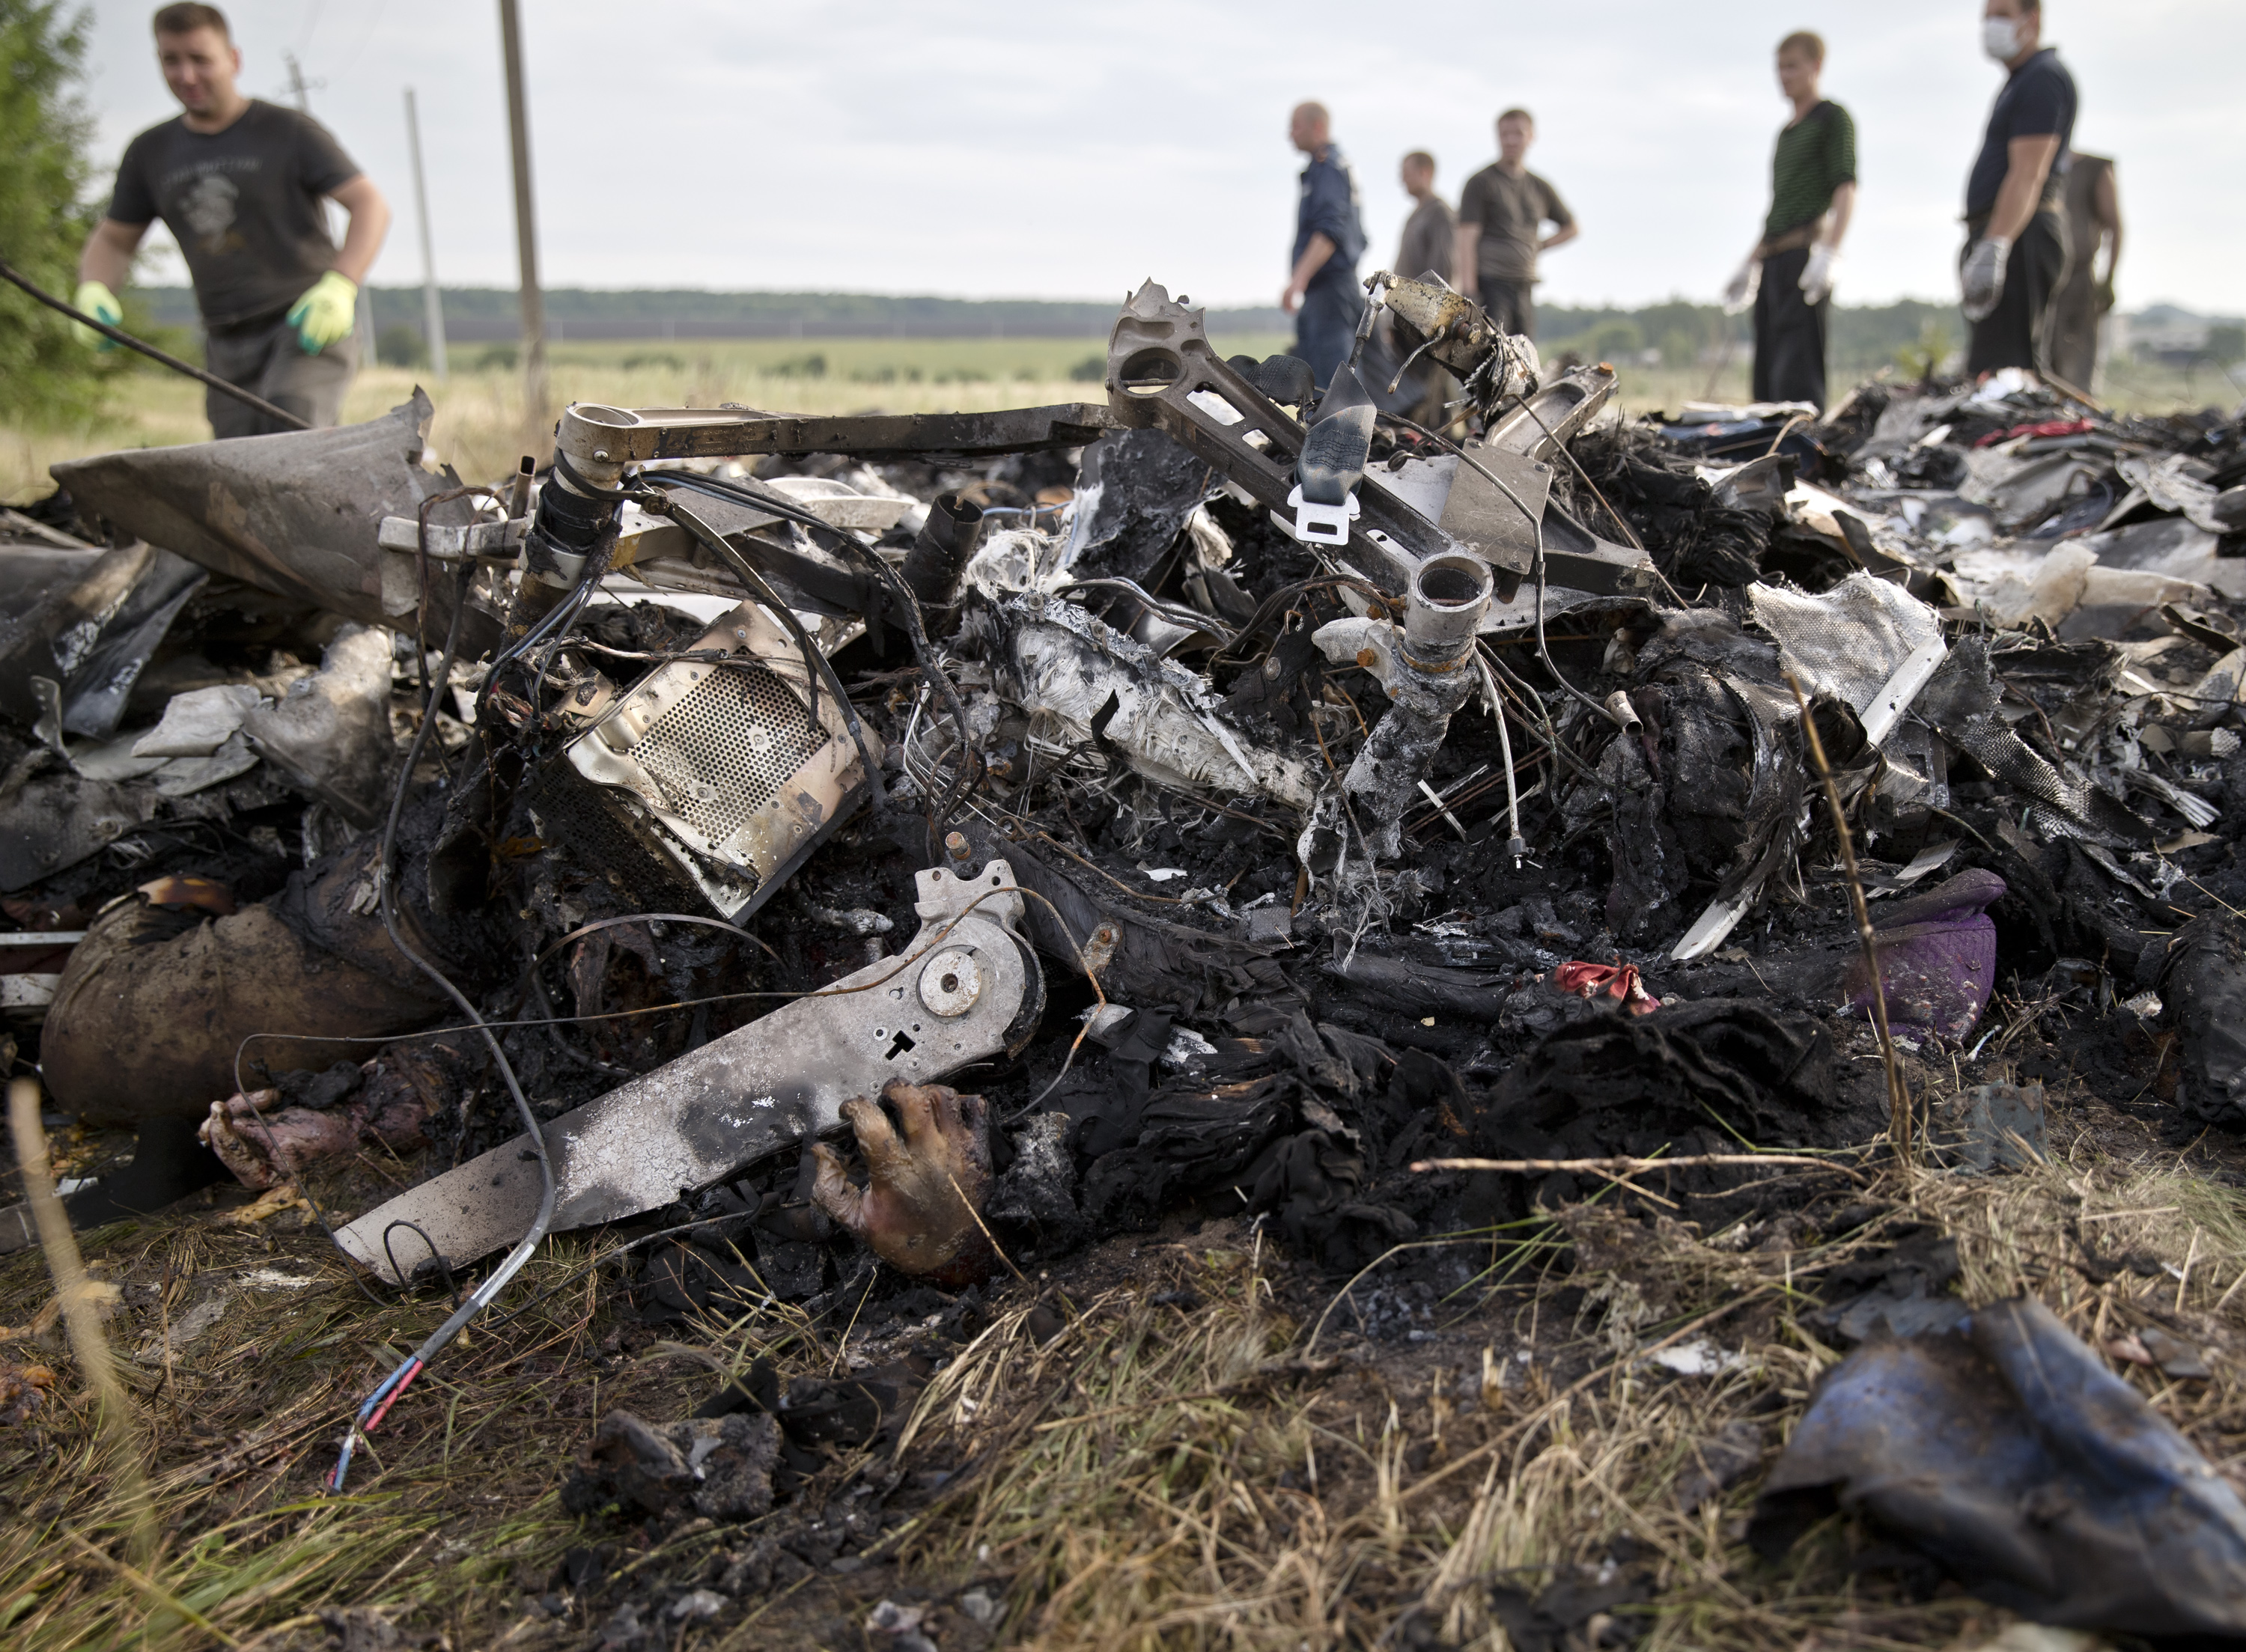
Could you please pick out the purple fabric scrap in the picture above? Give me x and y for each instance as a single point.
(1937, 955)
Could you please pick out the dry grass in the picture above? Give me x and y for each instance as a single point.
(1204, 1456)
(243, 1417)
(1159, 1479)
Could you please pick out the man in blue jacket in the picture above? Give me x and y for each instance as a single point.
(1322, 294)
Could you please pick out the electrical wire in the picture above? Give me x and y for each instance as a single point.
(1276, 602)
(392, 1387)
(815, 663)
(534, 990)
(582, 930)
(969, 777)
(718, 545)
(1516, 846)
(432, 690)
(1161, 608)
(1616, 516)
(1575, 465)
(118, 336)
(594, 569)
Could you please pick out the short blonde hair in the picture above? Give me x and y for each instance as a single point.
(1810, 45)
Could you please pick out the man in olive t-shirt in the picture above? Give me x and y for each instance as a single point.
(239, 183)
(1502, 212)
(1788, 276)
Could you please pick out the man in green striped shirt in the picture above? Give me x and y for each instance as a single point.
(1788, 276)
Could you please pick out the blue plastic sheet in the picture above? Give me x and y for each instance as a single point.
(2007, 1452)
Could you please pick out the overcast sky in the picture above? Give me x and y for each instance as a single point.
(1064, 150)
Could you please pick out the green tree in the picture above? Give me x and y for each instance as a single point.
(1615, 340)
(46, 375)
(399, 345)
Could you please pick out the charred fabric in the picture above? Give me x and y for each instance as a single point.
(939, 840)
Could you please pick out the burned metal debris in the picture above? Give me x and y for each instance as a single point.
(863, 855)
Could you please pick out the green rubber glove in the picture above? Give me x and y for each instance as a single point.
(100, 302)
(325, 312)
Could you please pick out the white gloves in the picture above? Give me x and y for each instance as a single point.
(1739, 291)
(1817, 275)
(1983, 276)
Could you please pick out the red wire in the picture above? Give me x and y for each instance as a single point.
(390, 1399)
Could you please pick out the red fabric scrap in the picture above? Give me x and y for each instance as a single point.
(2048, 427)
(1619, 980)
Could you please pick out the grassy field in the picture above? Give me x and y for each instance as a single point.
(481, 426)
(1198, 1450)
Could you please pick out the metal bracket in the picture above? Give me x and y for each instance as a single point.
(1163, 374)
(1317, 524)
(776, 1083)
(599, 441)
(453, 544)
(1536, 426)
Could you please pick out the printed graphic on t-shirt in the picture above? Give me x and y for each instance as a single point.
(244, 204)
(208, 207)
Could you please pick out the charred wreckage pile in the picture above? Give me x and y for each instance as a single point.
(1246, 794)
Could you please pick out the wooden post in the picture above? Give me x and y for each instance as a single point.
(432, 304)
(526, 227)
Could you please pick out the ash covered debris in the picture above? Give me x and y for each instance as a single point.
(856, 860)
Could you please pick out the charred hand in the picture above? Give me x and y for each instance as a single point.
(920, 1211)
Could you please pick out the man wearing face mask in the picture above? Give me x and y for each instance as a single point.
(2015, 250)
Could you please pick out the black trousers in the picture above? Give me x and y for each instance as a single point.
(1789, 334)
(2016, 332)
(1511, 304)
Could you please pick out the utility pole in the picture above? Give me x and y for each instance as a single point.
(432, 306)
(297, 89)
(526, 228)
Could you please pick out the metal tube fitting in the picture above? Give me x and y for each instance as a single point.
(1430, 681)
(587, 448)
(593, 438)
(1448, 597)
(939, 552)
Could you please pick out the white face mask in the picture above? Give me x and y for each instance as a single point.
(2000, 38)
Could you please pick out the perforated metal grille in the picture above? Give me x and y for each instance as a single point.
(724, 749)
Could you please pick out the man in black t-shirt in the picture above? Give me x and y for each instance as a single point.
(239, 183)
(1502, 212)
(2015, 252)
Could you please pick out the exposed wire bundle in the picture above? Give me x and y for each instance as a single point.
(379, 1403)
